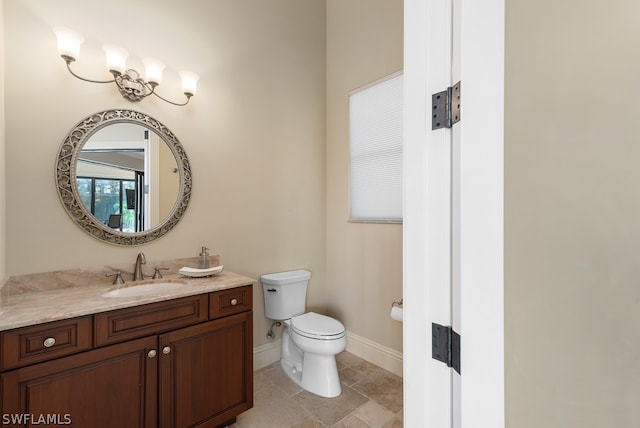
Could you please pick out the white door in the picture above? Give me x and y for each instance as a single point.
(453, 213)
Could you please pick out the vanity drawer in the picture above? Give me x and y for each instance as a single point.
(229, 302)
(28, 345)
(138, 321)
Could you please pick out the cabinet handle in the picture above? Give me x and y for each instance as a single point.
(234, 302)
(166, 350)
(152, 353)
(49, 342)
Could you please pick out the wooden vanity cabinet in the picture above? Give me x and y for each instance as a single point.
(206, 372)
(197, 375)
(106, 387)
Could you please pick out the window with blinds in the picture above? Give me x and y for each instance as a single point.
(375, 128)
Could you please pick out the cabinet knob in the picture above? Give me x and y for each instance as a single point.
(49, 342)
(234, 302)
(166, 350)
(152, 353)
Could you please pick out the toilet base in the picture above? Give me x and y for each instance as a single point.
(317, 374)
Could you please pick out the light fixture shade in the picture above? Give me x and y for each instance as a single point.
(116, 58)
(189, 82)
(68, 42)
(153, 70)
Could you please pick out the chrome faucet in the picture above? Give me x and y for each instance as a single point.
(137, 272)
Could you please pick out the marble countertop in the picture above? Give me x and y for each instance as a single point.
(40, 306)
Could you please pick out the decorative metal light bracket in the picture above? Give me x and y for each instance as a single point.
(129, 82)
(130, 85)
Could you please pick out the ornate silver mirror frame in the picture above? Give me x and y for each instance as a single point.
(66, 162)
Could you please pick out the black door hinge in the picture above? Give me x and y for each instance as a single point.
(446, 107)
(445, 346)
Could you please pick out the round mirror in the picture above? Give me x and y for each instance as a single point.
(123, 177)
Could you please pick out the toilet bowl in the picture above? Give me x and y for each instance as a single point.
(310, 341)
(309, 353)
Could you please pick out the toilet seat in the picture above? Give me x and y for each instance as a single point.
(316, 326)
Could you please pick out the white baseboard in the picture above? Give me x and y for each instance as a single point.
(381, 356)
(267, 354)
(366, 349)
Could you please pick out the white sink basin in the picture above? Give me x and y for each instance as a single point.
(144, 289)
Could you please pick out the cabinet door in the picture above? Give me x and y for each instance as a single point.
(114, 386)
(206, 372)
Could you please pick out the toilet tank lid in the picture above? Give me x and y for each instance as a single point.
(286, 277)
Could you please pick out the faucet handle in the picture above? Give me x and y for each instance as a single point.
(118, 277)
(157, 274)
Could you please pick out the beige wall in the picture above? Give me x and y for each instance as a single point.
(572, 214)
(364, 261)
(571, 207)
(254, 132)
(3, 177)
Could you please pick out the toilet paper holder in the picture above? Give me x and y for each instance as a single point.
(397, 304)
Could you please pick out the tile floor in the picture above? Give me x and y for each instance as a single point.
(371, 398)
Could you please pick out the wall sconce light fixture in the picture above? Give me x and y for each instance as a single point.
(129, 82)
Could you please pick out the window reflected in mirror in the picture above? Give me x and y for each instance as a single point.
(126, 170)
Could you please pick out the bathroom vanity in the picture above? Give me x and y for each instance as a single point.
(78, 348)
(178, 358)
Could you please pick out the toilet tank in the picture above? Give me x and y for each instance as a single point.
(285, 293)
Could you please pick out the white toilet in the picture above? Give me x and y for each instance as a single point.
(310, 341)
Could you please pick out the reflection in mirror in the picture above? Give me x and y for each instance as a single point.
(126, 170)
(123, 177)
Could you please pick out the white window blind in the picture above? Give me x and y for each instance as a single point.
(375, 122)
